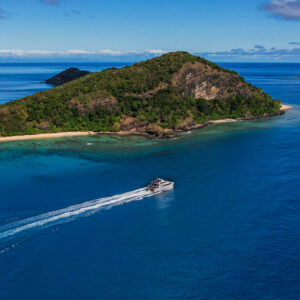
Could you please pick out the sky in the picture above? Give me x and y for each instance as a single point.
(130, 30)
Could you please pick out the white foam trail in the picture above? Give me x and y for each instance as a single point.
(71, 213)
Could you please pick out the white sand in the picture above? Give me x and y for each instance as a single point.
(285, 107)
(44, 136)
(81, 133)
(223, 121)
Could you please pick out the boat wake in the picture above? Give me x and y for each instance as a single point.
(71, 213)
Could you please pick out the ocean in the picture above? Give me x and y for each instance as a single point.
(230, 229)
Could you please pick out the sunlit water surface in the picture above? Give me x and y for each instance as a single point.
(229, 230)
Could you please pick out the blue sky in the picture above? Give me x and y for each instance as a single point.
(232, 30)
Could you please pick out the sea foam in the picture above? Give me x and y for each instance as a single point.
(71, 213)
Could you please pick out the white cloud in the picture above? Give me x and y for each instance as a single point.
(258, 53)
(75, 52)
(286, 9)
(155, 51)
(18, 53)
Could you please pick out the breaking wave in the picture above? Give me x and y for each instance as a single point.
(71, 213)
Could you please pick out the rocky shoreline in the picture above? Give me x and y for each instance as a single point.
(248, 118)
(133, 127)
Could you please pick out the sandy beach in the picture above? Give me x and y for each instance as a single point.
(223, 121)
(45, 136)
(83, 133)
(285, 107)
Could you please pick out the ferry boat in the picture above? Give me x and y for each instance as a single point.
(160, 185)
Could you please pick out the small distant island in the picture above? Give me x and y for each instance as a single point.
(160, 97)
(66, 76)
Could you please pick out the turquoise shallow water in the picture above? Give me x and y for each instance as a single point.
(230, 229)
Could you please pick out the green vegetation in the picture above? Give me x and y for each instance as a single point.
(145, 91)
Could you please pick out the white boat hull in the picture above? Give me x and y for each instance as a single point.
(164, 185)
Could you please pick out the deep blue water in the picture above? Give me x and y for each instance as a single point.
(229, 230)
(18, 80)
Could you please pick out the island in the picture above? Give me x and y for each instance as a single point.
(159, 98)
(66, 76)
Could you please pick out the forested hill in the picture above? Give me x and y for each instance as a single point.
(157, 97)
